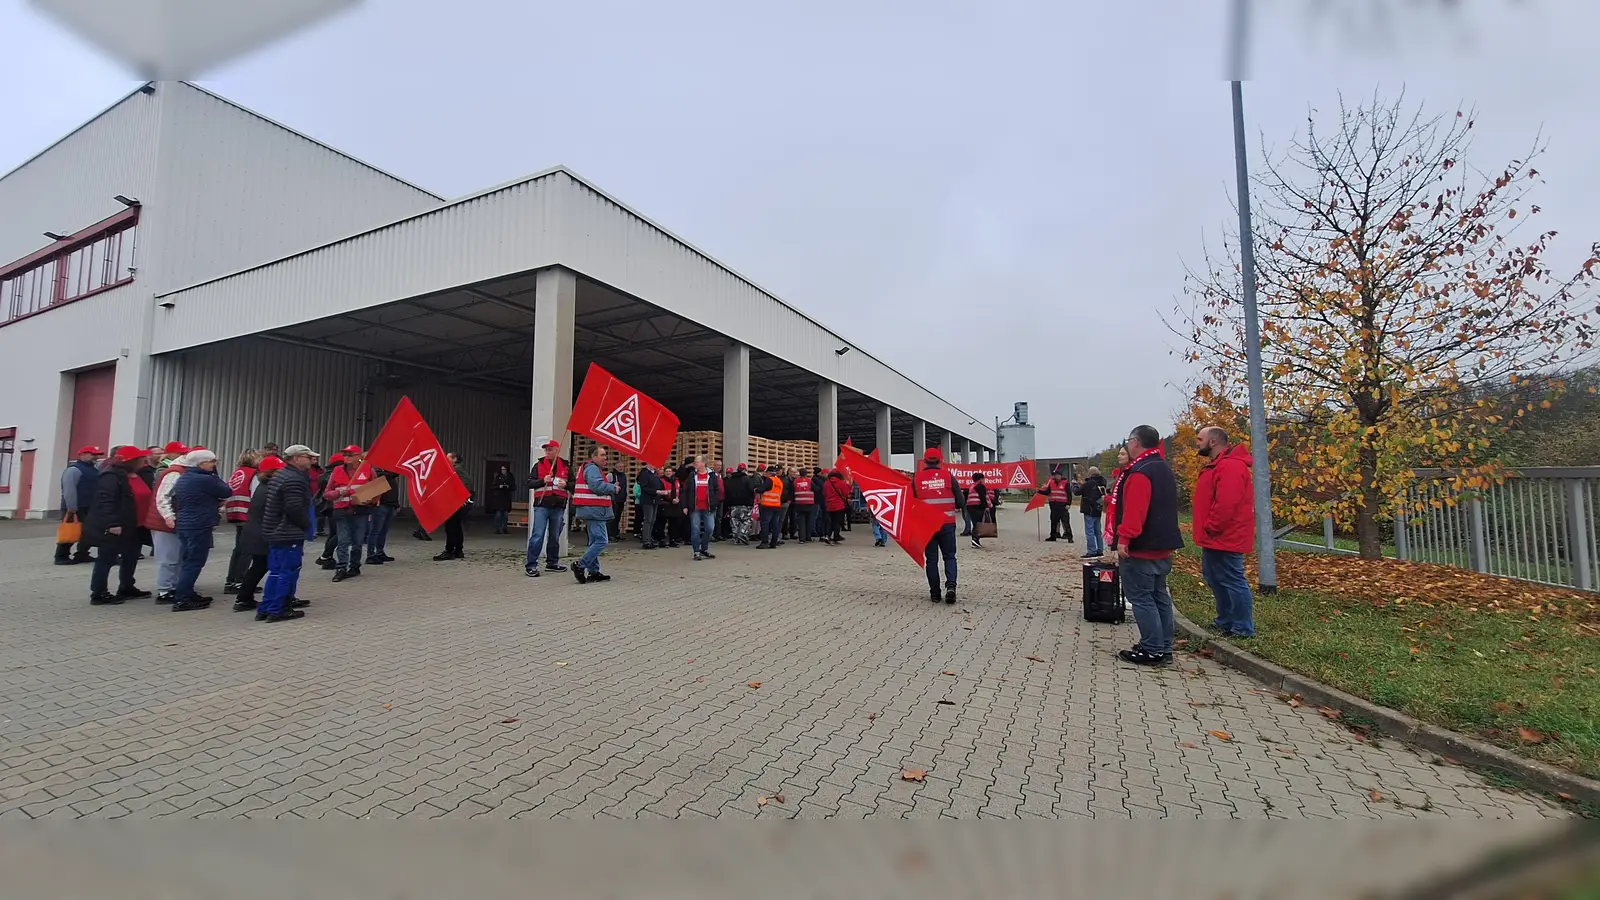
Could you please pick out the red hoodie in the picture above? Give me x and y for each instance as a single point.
(1224, 508)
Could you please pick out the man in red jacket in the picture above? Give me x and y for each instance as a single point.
(1225, 528)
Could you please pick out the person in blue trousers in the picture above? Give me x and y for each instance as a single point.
(550, 482)
(287, 522)
(591, 505)
(197, 501)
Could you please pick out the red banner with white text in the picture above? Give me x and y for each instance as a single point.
(999, 476)
(406, 446)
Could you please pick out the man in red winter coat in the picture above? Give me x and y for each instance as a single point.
(1225, 528)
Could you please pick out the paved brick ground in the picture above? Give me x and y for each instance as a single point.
(465, 690)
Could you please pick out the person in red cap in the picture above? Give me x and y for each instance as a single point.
(936, 486)
(237, 509)
(319, 485)
(77, 496)
(551, 483)
(349, 513)
(173, 450)
(252, 542)
(121, 499)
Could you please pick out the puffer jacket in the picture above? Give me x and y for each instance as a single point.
(1224, 508)
(251, 540)
(197, 499)
(286, 501)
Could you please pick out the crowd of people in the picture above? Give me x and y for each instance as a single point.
(171, 499)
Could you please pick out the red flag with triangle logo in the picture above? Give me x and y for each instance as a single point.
(623, 418)
(912, 523)
(406, 446)
(850, 445)
(1037, 501)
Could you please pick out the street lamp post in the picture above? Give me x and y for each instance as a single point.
(1266, 558)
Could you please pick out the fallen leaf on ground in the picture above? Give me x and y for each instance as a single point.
(761, 801)
(1374, 796)
(871, 716)
(778, 797)
(1295, 702)
(753, 685)
(1531, 735)
(1033, 659)
(561, 665)
(388, 706)
(1189, 745)
(1330, 713)
(1565, 796)
(700, 679)
(1203, 652)
(1222, 735)
(947, 672)
(691, 660)
(509, 721)
(913, 774)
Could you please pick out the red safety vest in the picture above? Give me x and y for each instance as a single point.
(803, 494)
(547, 469)
(582, 496)
(972, 495)
(237, 507)
(1060, 491)
(341, 477)
(937, 487)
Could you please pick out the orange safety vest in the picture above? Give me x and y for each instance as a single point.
(773, 498)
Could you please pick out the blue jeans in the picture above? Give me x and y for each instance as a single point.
(819, 518)
(1224, 572)
(771, 524)
(351, 530)
(194, 549)
(878, 534)
(599, 537)
(544, 532)
(701, 523)
(378, 529)
(283, 576)
(966, 520)
(501, 517)
(943, 544)
(1094, 534)
(1145, 583)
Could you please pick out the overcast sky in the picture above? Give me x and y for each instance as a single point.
(906, 172)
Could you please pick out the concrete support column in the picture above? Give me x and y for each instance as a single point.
(736, 405)
(966, 450)
(827, 421)
(947, 446)
(919, 441)
(555, 297)
(885, 434)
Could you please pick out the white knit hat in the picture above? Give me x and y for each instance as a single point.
(194, 458)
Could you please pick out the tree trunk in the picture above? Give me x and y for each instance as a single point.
(1369, 502)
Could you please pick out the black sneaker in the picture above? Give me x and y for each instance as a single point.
(230, 588)
(353, 572)
(297, 603)
(933, 595)
(531, 571)
(375, 560)
(135, 594)
(105, 600)
(65, 561)
(1051, 539)
(950, 595)
(166, 597)
(244, 604)
(598, 576)
(698, 557)
(84, 559)
(580, 575)
(1144, 658)
(444, 557)
(287, 615)
(326, 563)
(976, 545)
(421, 535)
(193, 603)
(558, 567)
(385, 557)
(709, 555)
(340, 576)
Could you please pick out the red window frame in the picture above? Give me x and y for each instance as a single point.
(100, 249)
(8, 458)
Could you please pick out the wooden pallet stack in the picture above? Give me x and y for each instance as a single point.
(698, 443)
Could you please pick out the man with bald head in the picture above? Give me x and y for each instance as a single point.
(1225, 527)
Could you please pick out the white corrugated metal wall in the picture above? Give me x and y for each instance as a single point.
(241, 394)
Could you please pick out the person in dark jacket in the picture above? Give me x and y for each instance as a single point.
(502, 489)
(197, 499)
(1092, 494)
(113, 527)
(1146, 535)
(790, 530)
(324, 511)
(740, 498)
(252, 543)
(672, 520)
(836, 500)
(77, 496)
(455, 532)
(651, 491)
(382, 515)
(979, 500)
(288, 520)
(701, 495)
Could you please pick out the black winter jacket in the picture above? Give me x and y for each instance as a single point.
(649, 483)
(286, 516)
(113, 507)
(251, 540)
(739, 489)
(1093, 492)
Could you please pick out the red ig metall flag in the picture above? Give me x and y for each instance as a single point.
(622, 418)
(406, 445)
(911, 522)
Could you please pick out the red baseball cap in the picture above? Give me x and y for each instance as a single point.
(352, 450)
(933, 453)
(271, 463)
(129, 454)
(336, 458)
(549, 444)
(94, 450)
(175, 447)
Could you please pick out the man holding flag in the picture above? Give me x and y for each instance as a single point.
(937, 487)
(920, 526)
(591, 504)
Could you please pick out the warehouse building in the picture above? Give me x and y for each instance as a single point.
(180, 267)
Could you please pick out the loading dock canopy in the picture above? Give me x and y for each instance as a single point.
(450, 292)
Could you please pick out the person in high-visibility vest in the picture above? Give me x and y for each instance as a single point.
(770, 487)
(591, 504)
(1058, 490)
(936, 486)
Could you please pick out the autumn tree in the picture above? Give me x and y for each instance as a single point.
(1397, 282)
